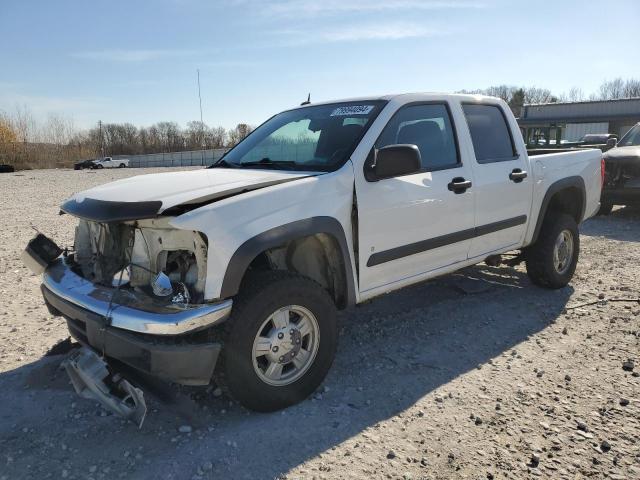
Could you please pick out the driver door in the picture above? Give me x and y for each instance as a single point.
(414, 224)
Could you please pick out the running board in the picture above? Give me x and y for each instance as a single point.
(91, 379)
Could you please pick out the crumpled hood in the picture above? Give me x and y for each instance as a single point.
(623, 154)
(145, 196)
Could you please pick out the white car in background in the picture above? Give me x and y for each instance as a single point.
(110, 162)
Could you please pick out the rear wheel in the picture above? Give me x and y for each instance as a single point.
(122, 165)
(551, 261)
(281, 341)
(100, 166)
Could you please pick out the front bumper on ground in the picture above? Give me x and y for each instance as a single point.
(163, 341)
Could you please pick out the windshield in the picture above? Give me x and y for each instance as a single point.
(631, 138)
(315, 138)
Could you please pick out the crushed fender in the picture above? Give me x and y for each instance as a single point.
(91, 379)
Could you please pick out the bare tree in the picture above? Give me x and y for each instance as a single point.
(632, 88)
(196, 135)
(239, 133)
(539, 95)
(217, 137)
(575, 94)
(612, 89)
(24, 124)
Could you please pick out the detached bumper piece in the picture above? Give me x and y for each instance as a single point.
(91, 379)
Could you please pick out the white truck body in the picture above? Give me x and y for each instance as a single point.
(355, 235)
(387, 210)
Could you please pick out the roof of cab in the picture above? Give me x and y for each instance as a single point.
(399, 96)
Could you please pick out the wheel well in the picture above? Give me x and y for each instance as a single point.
(316, 256)
(565, 196)
(569, 200)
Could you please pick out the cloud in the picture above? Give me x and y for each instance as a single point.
(297, 8)
(132, 55)
(354, 33)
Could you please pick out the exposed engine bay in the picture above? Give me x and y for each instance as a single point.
(148, 255)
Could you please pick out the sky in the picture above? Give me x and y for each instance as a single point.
(136, 61)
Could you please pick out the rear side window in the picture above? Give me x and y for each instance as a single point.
(427, 126)
(490, 133)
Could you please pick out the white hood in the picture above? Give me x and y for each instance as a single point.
(185, 187)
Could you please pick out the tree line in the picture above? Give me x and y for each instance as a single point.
(56, 142)
(517, 97)
(162, 137)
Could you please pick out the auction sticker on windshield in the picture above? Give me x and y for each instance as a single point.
(352, 110)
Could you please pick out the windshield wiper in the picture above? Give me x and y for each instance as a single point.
(224, 164)
(268, 162)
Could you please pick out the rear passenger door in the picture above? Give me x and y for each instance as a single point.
(503, 186)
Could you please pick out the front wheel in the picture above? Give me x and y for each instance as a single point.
(281, 341)
(551, 261)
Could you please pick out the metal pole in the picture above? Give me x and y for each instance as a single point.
(201, 121)
(101, 142)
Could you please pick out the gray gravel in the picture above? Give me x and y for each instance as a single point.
(441, 380)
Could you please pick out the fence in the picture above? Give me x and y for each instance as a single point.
(175, 159)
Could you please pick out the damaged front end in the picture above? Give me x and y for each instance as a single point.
(140, 255)
(132, 291)
(140, 276)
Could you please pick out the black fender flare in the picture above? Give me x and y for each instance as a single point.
(569, 182)
(274, 237)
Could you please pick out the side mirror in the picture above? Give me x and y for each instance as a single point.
(396, 160)
(612, 142)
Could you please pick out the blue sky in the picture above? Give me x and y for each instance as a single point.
(136, 61)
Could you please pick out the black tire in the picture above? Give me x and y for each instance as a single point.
(100, 166)
(122, 165)
(262, 294)
(605, 208)
(539, 257)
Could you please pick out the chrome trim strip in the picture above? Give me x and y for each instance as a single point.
(129, 310)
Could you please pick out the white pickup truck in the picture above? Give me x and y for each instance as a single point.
(110, 162)
(235, 272)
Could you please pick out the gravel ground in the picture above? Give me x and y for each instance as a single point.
(475, 375)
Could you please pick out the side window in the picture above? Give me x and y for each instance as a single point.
(429, 128)
(490, 133)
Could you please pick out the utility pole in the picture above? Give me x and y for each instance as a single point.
(203, 145)
(101, 141)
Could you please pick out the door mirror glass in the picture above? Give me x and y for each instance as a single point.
(396, 160)
(612, 142)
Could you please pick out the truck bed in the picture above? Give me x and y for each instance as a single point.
(549, 168)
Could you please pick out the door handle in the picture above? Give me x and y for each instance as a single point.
(517, 175)
(459, 185)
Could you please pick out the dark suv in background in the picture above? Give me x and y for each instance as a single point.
(622, 173)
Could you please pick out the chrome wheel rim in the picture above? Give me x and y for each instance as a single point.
(285, 345)
(563, 252)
